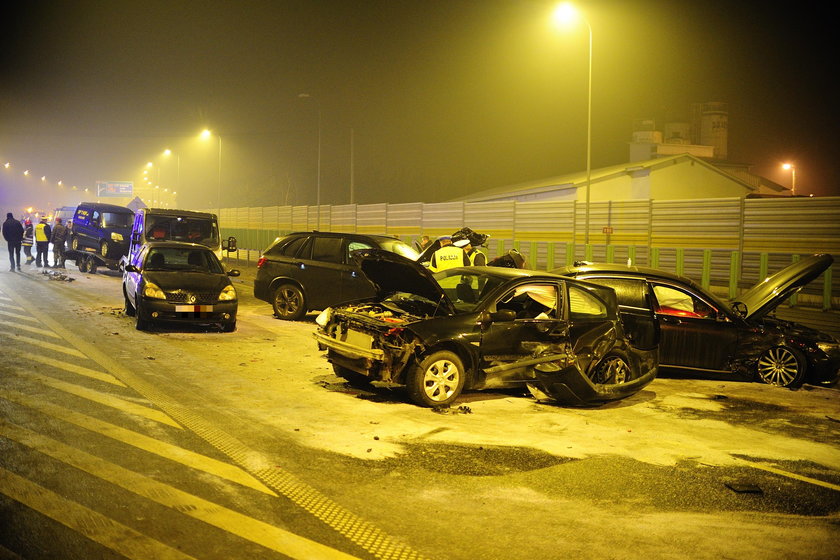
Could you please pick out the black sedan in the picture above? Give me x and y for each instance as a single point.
(179, 282)
(741, 338)
(488, 327)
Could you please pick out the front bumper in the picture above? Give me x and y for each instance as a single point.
(160, 310)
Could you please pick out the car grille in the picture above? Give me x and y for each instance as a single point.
(192, 298)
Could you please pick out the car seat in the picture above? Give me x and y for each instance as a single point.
(157, 260)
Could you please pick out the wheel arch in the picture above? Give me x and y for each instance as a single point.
(280, 280)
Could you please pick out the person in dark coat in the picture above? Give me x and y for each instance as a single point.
(13, 234)
(58, 239)
(28, 240)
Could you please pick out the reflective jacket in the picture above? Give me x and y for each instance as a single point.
(477, 258)
(28, 235)
(43, 232)
(448, 257)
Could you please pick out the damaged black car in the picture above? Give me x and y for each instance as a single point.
(486, 327)
(739, 339)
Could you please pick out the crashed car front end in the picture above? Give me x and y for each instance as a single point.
(369, 339)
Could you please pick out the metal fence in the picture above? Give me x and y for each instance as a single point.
(727, 243)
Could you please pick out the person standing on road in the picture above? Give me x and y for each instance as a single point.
(28, 240)
(58, 240)
(448, 256)
(13, 234)
(477, 258)
(43, 232)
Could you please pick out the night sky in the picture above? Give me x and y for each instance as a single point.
(440, 98)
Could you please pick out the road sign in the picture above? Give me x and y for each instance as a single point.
(114, 188)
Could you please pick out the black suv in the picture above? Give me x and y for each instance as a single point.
(305, 271)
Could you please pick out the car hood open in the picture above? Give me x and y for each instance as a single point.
(391, 273)
(773, 290)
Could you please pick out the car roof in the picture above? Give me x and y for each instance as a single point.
(108, 207)
(379, 237)
(614, 268)
(176, 212)
(175, 245)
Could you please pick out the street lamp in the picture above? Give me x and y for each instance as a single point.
(318, 171)
(168, 153)
(206, 135)
(792, 168)
(563, 14)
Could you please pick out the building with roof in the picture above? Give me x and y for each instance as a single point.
(672, 177)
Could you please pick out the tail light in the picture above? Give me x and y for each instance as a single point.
(261, 262)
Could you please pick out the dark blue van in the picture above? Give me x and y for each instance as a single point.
(105, 228)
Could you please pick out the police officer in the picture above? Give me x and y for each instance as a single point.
(43, 232)
(477, 258)
(448, 256)
(28, 240)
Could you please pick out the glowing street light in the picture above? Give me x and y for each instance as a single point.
(792, 168)
(563, 15)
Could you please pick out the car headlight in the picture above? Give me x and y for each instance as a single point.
(151, 291)
(323, 317)
(228, 294)
(116, 236)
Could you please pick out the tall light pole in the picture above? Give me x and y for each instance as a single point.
(318, 171)
(168, 153)
(205, 135)
(563, 14)
(792, 168)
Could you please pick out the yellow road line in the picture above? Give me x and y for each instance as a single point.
(95, 526)
(48, 345)
(43, 331)
(107, 400)
(72, 368)
(794, 476)
(17, 316)
(233, 522)
(140, 441)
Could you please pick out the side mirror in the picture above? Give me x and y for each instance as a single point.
(233, 272)
(231, 244)
(131, 268)
(740, 308)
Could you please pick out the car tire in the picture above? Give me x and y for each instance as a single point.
(289, 303)
(81, 262)
(781, 366)
(611, 370)
(230, 326)
(129, 308)
(437, 381)
(74, 243)
(104, 249)
(353, 378)
(140, 322)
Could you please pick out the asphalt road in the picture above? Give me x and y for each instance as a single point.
(189, 443)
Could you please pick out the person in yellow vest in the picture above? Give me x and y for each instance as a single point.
(43, 232)
(477, 258)
(448, 256)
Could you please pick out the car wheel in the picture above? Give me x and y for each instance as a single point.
(129, 309)
(437, 380)
(141, 323)
(229, 326)
(288, 302)
(781, 366)
(612, 370)
(353, 378)
(74, 243)
(104, 249)
(81, 262)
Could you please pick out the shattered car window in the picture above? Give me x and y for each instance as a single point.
(531, 301)
(466, 289)
(677, 302)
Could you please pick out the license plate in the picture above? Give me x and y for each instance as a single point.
(193, 308)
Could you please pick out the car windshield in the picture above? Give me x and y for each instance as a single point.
(182, 259)
(178, 228)
(117, 219)
(467, 290)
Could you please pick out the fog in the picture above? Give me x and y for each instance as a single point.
(423, 101)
